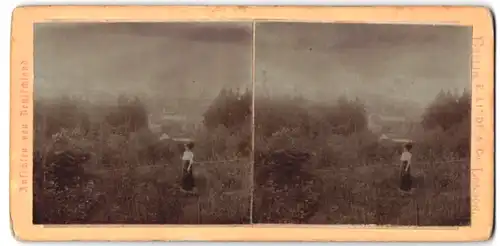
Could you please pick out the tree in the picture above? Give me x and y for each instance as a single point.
(448, 121)
(230, 109)
(348, 116)
(130, 114)
(446, 110)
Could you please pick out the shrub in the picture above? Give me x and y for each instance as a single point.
(446, 110)
(446, 125)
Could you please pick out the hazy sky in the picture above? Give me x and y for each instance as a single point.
(321, 60)
(192, 60)
(195, 60)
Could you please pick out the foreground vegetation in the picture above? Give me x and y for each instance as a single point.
(102, 164)
(322, 165)
(313, 163)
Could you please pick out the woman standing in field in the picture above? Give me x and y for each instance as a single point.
(406, 181)
(187, 170)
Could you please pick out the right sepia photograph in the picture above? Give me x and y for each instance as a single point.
(362, 124)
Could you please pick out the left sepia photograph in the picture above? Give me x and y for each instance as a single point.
(142, 123)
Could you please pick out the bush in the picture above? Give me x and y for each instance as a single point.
(287, 191)
(446, 110)
(446, 128)
(60, 182)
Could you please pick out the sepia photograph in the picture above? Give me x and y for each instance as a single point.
(362, 124)
(251, 123)
(142, 123)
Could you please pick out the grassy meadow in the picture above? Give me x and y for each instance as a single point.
(321, 164)
(103, 164)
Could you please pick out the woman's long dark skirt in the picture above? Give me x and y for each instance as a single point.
(187, 177)
(406, 180)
